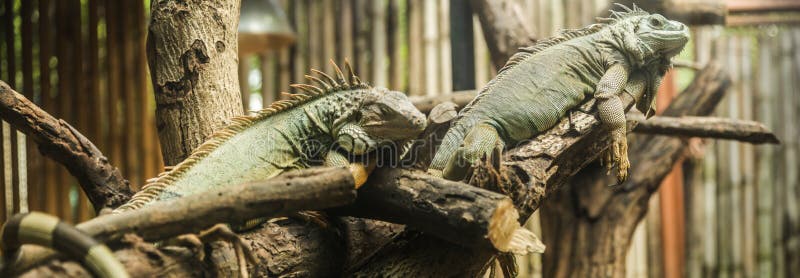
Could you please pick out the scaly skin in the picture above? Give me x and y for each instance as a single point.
(300, 132)
(540, 84)
(291, 135)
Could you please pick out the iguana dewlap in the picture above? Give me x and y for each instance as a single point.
(541, 83)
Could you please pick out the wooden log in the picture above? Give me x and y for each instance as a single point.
(454, 211)
(102, 182)
(708, 127)
(310, 189)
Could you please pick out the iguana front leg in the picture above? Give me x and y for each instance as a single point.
(612, 115)
(479, 142)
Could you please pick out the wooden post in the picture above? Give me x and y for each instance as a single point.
(463, 50)
(193, 71)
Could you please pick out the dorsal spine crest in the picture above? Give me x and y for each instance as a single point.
(304, 93)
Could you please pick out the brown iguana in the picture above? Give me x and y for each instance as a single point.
(541, 83)
(301, 131)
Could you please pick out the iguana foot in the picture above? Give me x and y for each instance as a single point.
(618, 154)
(219, 232)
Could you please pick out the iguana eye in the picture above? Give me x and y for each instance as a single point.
(656, 22)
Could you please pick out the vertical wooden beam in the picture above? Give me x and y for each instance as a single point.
(445, 62)
(146, 100)
(268, 77)
(63, 103)
(748, 169)
(397, 42)
(301, 53)
(416, 69)
(132, 132)
(45, 37)
(114, 75)
(377, 14)
(82, 94)
(26, 32)
(430, 39)
(463, 50)
(11, 70)
(765, 99)
(363, 53)
(328, 33)
(344, 30)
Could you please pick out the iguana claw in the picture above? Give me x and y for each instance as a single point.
(619, 154)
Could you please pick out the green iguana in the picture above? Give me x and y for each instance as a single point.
(542, 83)
(291, 134)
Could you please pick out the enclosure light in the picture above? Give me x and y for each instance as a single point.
(263, 26)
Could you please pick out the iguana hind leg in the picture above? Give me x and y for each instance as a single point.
(480, 141)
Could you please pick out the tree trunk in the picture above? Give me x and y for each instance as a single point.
(192, 51)
(589, 225)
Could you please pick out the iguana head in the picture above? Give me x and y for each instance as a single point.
(647, 37)
(661, 37)
(384, 118)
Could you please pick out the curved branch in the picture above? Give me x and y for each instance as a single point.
(56, 139)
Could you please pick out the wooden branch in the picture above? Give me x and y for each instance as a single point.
(704, 127)
(309, 189)
(56, 139)
(529, 173)
(454, 211)
(597, 221)
(708, 127)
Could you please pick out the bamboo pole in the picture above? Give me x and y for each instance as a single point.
(416, 74)
(378, 37)
(765, 97)
(45, 54)
(430, 28)
(8, 170)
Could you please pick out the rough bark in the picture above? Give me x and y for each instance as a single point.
(309, 189)
(592, 224)
(192, 52)
(528, 173)
(102, 182)
(454, 211)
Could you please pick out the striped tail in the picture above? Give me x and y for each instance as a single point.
(46, 230)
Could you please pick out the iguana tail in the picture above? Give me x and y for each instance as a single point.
(46, 230)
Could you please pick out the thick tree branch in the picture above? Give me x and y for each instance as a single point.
(594, 223)
(310, 189)
(703, 127)
(708, 127)
(56, 139)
